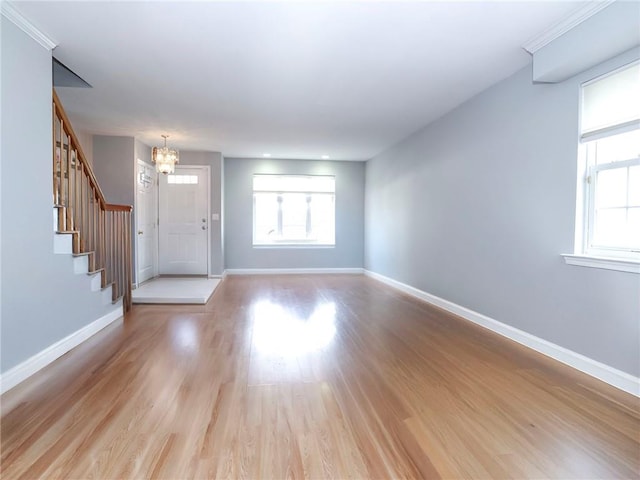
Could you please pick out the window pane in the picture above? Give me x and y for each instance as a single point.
(611, 188)
(323, 215)
(633, 227)
(182, 179)
(610, 228)
(294, 216)
(625, 146)
(265, 217)
(634, 186)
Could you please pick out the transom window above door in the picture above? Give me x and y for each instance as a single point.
(182, 179)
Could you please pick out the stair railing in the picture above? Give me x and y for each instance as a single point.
(100, 230)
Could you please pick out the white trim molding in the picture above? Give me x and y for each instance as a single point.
(607, 374)
(607, 263)
(292, 271)
(32, 365)
(10, 12)
(574, 19)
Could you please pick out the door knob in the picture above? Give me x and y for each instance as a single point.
(203, 227)
(140, 232)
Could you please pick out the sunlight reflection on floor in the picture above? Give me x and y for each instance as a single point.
(279, 331)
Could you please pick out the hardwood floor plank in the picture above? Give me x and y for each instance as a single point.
(323, 376)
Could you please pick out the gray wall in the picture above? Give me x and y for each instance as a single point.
(214, 161)
(86, 143)
(238, 201)
(142, 152)
(477, 207)
(41, 300)
(114, 165)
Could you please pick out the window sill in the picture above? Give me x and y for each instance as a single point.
(292, 245)
(607, 263)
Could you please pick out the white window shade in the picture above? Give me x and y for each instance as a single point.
(294, 183)
(612, 102)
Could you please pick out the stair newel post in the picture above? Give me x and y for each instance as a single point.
(92, 227)
(123, 257)
(67, 181)
(81, 210)
(72, 189)
(107, 245)
(128, 262)
(112, 239)
(117, 246)
(102, 225)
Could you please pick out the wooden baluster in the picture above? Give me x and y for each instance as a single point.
(97, 231)
(76, 201)
(70, 170)
(55, 165)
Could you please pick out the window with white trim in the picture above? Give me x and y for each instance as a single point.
(293, 210)
(610, 153)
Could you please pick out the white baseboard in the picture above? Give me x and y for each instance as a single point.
(292, 271)
(612, 376)
(21, 372)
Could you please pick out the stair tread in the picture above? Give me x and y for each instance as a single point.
(82, 254)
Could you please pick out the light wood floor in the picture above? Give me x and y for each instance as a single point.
(320, 377)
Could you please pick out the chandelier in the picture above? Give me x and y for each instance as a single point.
(165, 158)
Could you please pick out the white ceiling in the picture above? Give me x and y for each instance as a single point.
(295, 79)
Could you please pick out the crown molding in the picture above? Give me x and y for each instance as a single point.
(574, 19)
(12, 14)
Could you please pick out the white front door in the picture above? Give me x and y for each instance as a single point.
(184, 222)
(146, 221)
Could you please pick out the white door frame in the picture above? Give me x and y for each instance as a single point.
(207, 170)
(136, 282)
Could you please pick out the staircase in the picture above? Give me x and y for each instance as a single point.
(95, 233)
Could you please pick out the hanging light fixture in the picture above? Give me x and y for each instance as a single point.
(165, 158)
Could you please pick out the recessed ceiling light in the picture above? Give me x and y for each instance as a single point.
(325, 157)
(266, 155)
